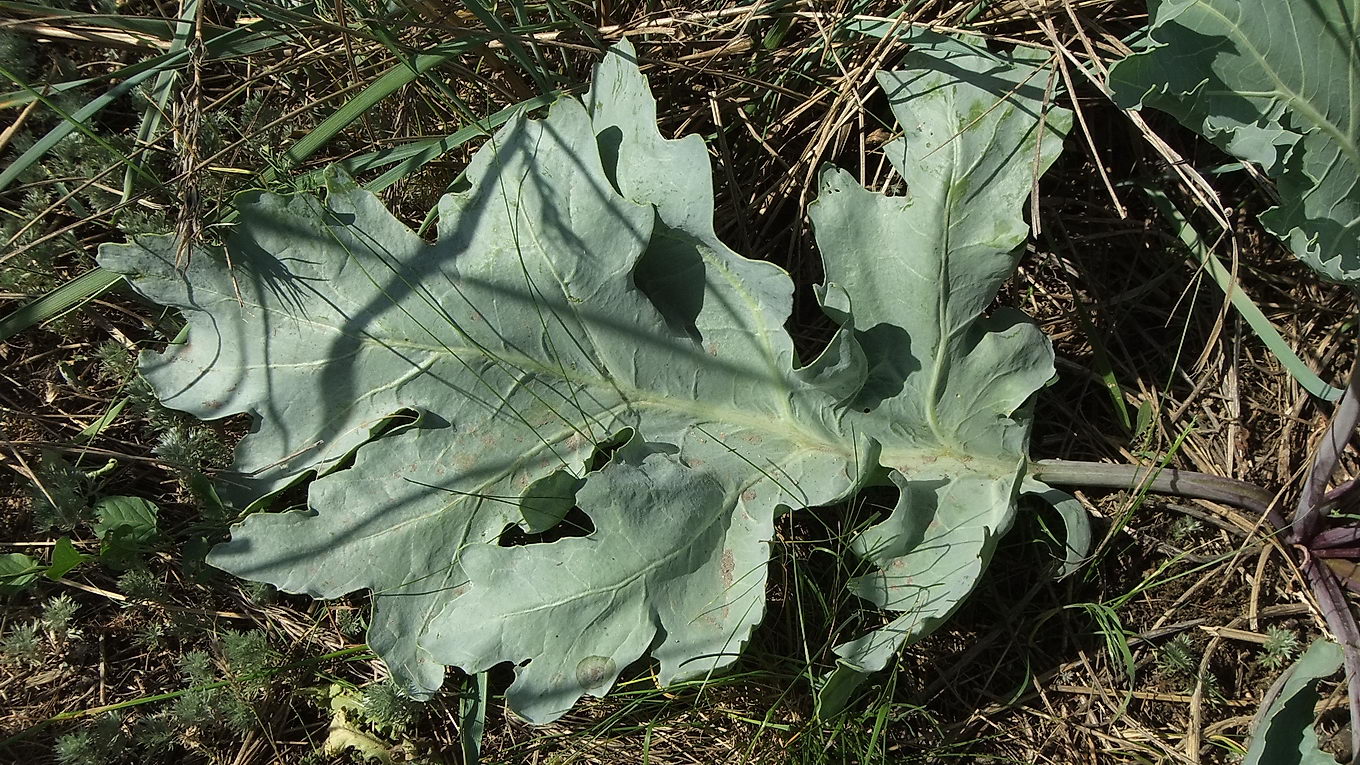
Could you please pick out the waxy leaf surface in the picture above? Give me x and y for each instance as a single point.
(577, 336)
(1284, 730)
(944, 380)
(1276, 84)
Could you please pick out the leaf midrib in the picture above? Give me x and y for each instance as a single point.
(1300, 104)
(632, 396)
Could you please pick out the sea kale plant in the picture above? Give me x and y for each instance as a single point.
(578, 336)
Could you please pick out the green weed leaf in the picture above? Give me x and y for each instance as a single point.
(136, 515)
(578, 310)
(1275, 84)
(126, 526)
(17, 571)
(64, 559)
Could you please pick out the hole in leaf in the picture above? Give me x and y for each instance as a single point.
(671, 274)
(574, 524)
(604, 451)
(460, 185)
(609, 140)
(400, 419)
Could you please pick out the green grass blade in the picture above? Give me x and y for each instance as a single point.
(252, 38)
(472, 717)
(153, 27)
(388, 83)
(511, 41)
(72, 122)
(412, 156)
(105, 420)
(385, 36)
(15, 98)
(1100, 362)
(440, 147)
(1248, 309)
(67, 297)
(160, 93)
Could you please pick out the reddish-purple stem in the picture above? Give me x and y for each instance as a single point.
(1341, 536)
(1306, 529)
(1337, 494)
(1341, 622)
(1334, 552)
(1308, 513)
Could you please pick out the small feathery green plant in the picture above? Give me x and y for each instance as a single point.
(23, 644)
(139, 584)
(58, 614)
(36, 641)
(388, 707)
(1279, 649)
(59, 497)
(350, 621)
(224, 711)
(1185, 528)
(102, 742)
(1178, 663)
(1176, 659)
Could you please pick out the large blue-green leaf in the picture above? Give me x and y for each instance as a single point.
(924, 267)
(1284, 732)
(1276, 84)
(577, 309)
